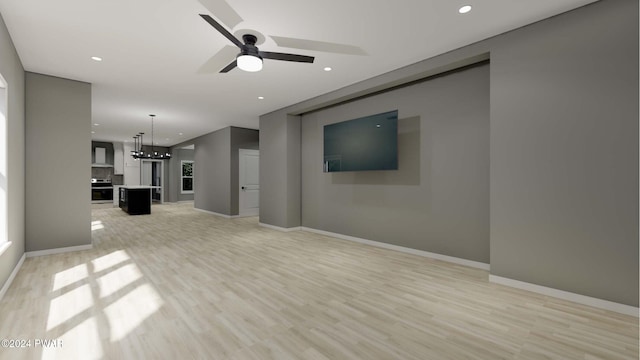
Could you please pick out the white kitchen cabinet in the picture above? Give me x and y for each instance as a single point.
(118, 158)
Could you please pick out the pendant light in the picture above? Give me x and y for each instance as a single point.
(138, 152)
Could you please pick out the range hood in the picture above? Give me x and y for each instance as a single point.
(101, 158)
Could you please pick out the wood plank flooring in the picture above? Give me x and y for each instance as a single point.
(181, 284)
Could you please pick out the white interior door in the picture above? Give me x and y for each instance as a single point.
(249, 199)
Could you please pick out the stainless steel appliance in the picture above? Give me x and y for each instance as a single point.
(101, 190)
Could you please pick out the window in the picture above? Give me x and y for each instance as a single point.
(187, 176)
(4, 125)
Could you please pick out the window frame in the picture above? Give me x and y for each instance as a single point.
(182, 177)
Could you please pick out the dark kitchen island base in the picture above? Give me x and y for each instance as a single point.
(135, 200)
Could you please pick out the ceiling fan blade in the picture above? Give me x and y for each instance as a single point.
(286, 57)
(229, 67)
(224, 12)
(318, 46)
(219, 60)
(222, 30)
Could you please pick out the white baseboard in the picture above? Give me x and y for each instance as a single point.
(565, 295)
(280, 228)
(58, 250)
(451, 259)
(7, 283)
(216, 214)
(243, 215)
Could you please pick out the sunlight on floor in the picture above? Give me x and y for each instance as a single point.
(109, 260)
(118, 279)
(82, 339)
(69, 305)
(108, 291)
(96, 225)
(126, 314)
(70, 276)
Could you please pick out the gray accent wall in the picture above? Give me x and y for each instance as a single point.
(216, 167)
(564, 153)
(212, 180)
(280, 158)
(58, 162)
(563, 170)
(438, 199)
(12, 71)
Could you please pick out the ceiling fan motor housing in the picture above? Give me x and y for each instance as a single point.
(249, 47)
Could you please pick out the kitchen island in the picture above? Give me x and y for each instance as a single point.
(135, 200)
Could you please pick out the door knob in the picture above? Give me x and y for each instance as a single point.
(243, 188)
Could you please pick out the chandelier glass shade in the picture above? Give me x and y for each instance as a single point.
(138, 151)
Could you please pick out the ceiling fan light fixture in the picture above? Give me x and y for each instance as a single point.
(249, 63)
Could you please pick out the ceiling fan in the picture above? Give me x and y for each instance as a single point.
(250, 57)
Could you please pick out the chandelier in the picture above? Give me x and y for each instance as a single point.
(139, 153)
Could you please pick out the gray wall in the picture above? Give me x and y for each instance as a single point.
(216, 168)
(212, 180)
(564, 153)
(12, 71)
(563, 149)
(58, 163)
(280, 169)
(175, 174)
(240, 139)
(438, 199)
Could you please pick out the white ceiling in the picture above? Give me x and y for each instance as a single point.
(153, 50)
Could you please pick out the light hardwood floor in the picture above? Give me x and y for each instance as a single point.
(181, 284)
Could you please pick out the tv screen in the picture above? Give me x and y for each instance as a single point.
(367, 143)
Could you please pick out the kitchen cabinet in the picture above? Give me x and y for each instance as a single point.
(135, 200)
(118, 158)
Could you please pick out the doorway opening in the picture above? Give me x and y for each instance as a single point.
(152, 175)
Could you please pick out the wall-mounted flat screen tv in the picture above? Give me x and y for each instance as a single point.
(367, 143)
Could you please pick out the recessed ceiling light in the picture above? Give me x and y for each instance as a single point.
(328, 69)
(179, 133)
(260, 97)
(96, 124)
(465, 9)
(93, 132)
(96, 58)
